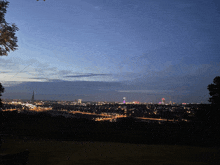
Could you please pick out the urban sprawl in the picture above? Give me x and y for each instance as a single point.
(107, 111)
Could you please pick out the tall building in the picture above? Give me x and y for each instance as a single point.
(32, 98)
(163, 101)
(79, 101)
(124, 100)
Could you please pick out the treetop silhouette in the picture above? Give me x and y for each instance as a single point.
(214, 91)
(8, 40)
(1, 91)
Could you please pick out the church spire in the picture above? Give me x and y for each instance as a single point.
(32, 99)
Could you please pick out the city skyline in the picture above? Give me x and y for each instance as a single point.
(107, 50)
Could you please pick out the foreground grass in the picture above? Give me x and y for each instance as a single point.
(50, 152)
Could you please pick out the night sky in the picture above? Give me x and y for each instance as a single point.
(104, 50)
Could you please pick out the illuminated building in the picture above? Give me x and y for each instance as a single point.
(163, 101)
(79, 101)
(124, 100)
(136, 102)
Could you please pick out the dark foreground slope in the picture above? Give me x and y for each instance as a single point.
(50, 152)
(44, 126)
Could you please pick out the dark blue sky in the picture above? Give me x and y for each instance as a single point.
(106, 49)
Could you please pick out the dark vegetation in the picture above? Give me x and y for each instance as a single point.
(1, 91)
(127, 130)
(8, 40)
(15, 159)
(214, 91)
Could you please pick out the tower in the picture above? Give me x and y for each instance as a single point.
(32, 99)
(124, 100)
(163, 101)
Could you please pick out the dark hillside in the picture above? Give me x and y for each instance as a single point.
(127, 130)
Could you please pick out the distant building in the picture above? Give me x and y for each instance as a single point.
(163, 101)
(79, 101)
(32, 98)
(124, 100)
(136, 102)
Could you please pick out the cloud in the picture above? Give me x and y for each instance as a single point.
(5, 72)
(11, 83)
(57, 86)
(59, 89)
(39, 78)
(87, 75)
(16, 69)
(148, 91)
(98, 7)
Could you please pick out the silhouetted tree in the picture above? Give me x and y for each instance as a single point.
(1, 91)
(1, 116)
(214, 91)
(8, 40)
(209, 114)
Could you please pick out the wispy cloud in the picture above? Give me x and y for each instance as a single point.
(148, 91)
(87, 75)
(38, 78)
(4, 71)
(11, 83)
